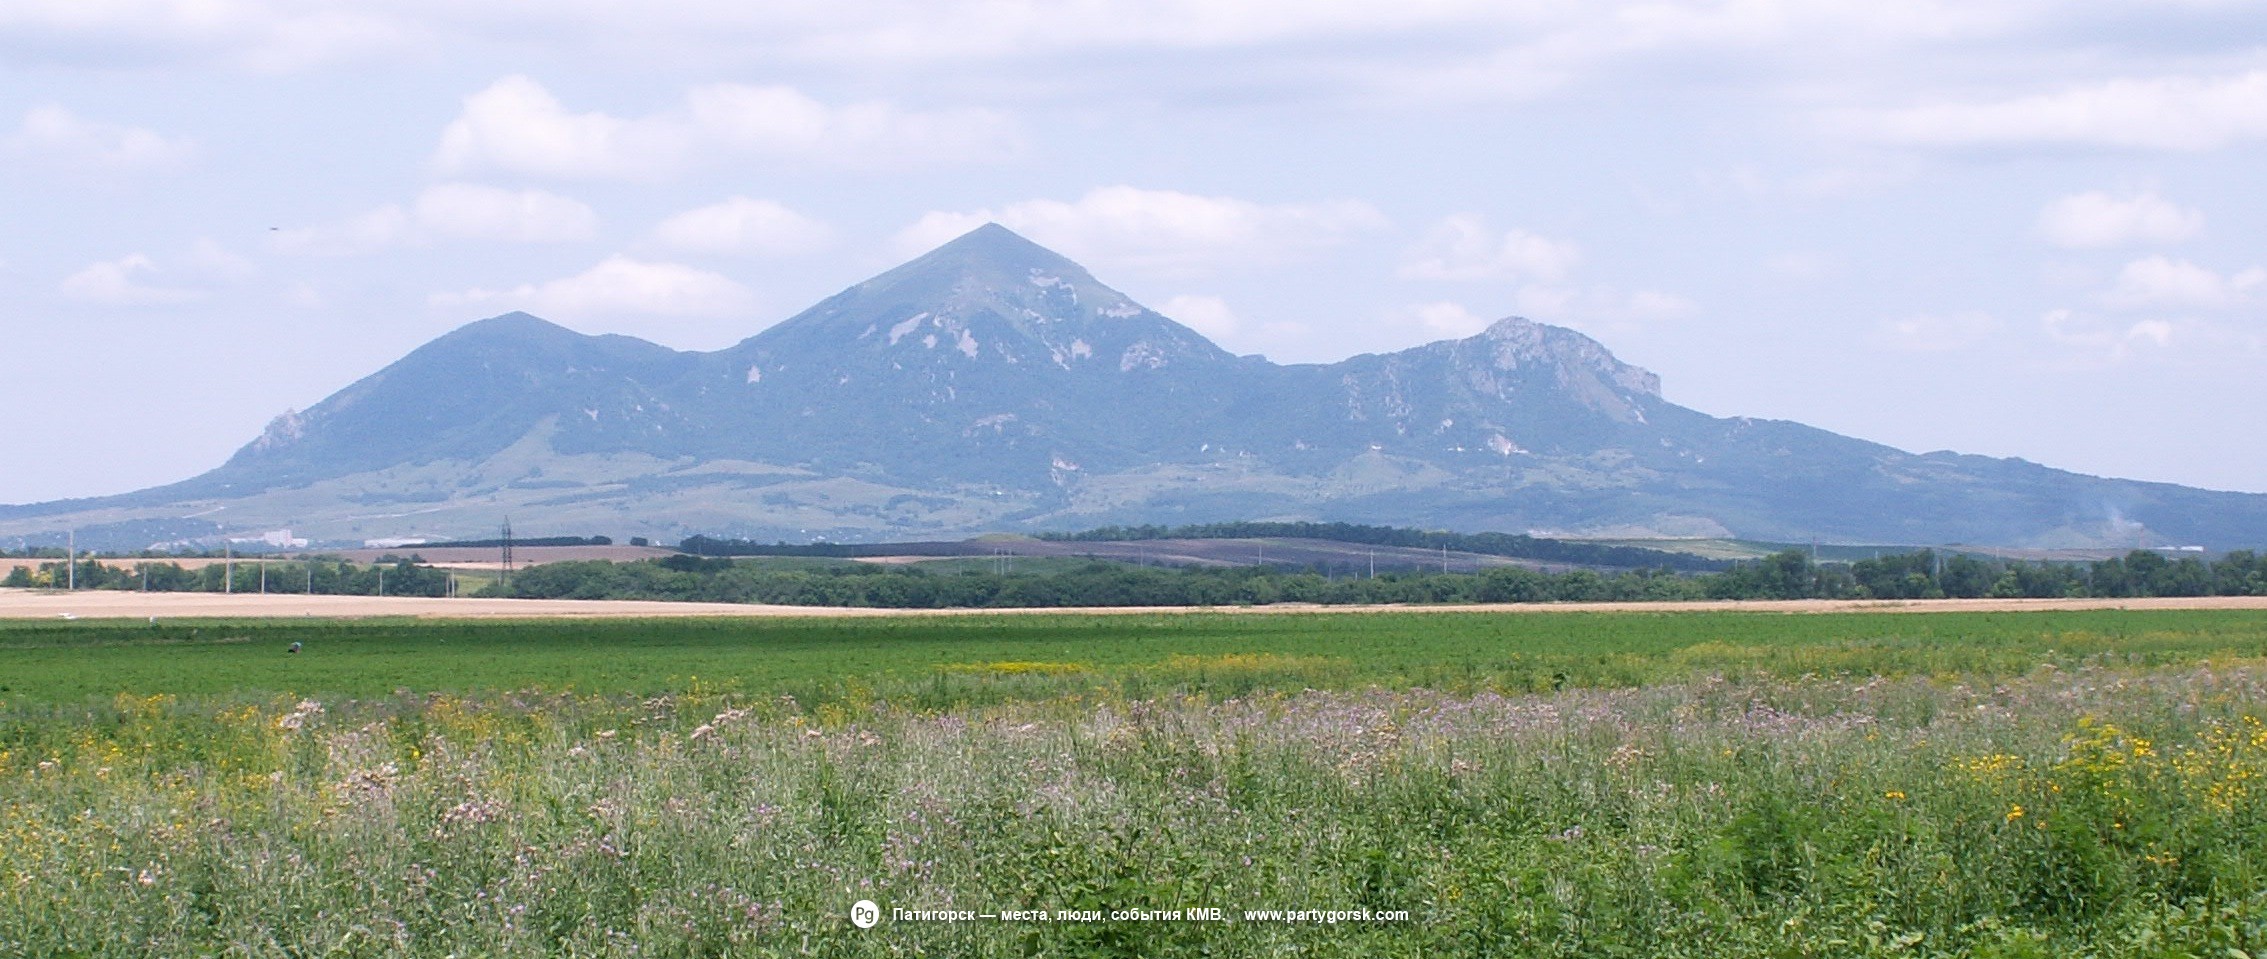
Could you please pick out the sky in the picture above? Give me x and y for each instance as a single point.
(2007, 227)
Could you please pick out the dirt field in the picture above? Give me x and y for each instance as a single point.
(53, 604)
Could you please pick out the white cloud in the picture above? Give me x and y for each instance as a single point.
(376, 230)
(1936, 332)
(948, 33)
(618, 286)
(516, 125)
(2159, 282)
(1524, 51)
(1163, 231)
(2158, 332)
(1443, 320)
(1462, 247)
(742, 225)
(56, 134)
(258, 35)
(455, 211)
(778, 120)
(2096, 219)
(1602, 310)
(2180, 113)
(207, 258)
(2103, 337)
(472, 211)
(137, 279)
(1208, 315)
(123, 282)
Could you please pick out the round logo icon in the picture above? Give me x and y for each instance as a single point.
(864, 914)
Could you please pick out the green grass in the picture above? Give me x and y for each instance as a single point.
(62, 663)
(1998, 785)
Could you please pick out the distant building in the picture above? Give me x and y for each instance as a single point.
(277, 538)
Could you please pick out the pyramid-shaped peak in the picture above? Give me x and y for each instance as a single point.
(515, 320)
(990, 295)
(514, 326)
(992, 239)
(993, 247)
(990, 257)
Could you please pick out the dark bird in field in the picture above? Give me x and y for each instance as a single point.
(294, 648)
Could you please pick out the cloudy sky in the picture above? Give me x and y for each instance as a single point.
(2011, 227)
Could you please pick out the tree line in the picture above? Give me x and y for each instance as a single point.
(393, 576)
(1786, 575)
(1925, 574)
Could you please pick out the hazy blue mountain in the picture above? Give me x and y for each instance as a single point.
(470, 394)
(989, 360)
(994, 385)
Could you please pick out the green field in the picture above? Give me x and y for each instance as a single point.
(1642, 784)
(816, 658)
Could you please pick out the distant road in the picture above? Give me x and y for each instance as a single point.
(21, 604)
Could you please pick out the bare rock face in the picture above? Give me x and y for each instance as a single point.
(284, 430)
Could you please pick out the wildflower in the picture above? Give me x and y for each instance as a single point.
(2015, 812)
(374, 780)
(299, 715)
(471, 812)
(1895, 794)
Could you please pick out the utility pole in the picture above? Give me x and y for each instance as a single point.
(263, 576)
(227, 568)
(381, 581)
(71, 561)
(505, 580)
(1373, 564)
(1817, 578)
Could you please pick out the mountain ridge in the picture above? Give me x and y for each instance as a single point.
(992, 384)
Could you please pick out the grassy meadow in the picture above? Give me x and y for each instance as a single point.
(1642, 784)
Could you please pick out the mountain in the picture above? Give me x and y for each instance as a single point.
(992, 384)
